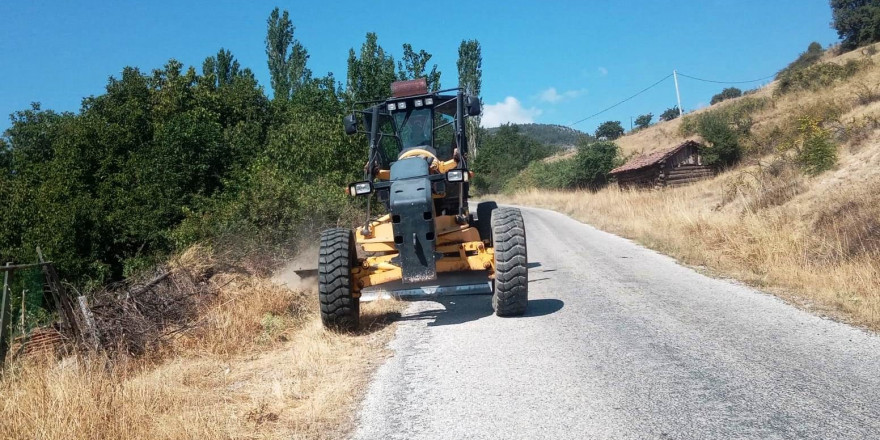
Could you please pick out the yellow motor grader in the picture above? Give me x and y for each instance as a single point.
(427, 243)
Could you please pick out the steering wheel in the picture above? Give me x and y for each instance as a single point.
(418, 152)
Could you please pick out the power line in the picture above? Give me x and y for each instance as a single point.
(727, 82)
(621, 102)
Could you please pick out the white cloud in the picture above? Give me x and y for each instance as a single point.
(508, 111)
(552, 96)
(603, 71)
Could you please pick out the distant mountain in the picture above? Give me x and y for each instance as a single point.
(550, 134)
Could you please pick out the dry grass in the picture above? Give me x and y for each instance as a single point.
(813, 240)
(257, 365)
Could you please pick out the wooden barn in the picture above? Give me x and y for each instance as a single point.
(673, 166)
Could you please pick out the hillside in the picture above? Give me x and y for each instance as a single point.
(778, 219)
(549, 134)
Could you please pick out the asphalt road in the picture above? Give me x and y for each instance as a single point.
(621, 342)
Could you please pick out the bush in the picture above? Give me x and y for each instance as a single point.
(806, 59)
(728, 93)
(644, 121)
(819, 76)
(592, 163)
(815, 150)
(724, 149)
(670, 114)
(724, 129)
(588, 169)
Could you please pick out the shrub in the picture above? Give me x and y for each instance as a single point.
(670, 114)
(644, 121)
(592, 163)
(724, 147)
(588, 169)
(819, 75)
(806, 59)
(728, 93)
(724, 129)
(815, 150)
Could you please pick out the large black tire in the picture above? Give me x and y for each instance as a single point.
(339, 309)
(511, 296)
(484, 221)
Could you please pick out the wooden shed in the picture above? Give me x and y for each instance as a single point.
(672, 166)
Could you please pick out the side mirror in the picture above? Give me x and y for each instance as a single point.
(350, 123)
(472, 103)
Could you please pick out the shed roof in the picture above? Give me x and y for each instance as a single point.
(650, 159)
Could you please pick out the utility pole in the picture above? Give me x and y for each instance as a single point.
(677, 94)
(630, 123)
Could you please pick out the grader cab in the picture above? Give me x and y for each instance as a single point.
(426, 242)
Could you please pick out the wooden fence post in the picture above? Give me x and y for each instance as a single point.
(90, 331)
(63, 302)
(4, 314)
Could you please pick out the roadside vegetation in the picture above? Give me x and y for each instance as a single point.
(205, 175)
(255, 363)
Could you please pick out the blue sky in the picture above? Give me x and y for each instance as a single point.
(550, 61)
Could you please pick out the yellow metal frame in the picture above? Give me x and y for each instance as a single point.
(461, 245)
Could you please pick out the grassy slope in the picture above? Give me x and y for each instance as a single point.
(257, 365)
(812, 240)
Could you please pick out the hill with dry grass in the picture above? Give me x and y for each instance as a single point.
(809, 234)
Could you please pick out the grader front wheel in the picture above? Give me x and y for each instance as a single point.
(511, 294)
(340, 310)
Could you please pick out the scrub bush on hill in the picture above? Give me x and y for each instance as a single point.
(728, 93)
(588, 169)
(819, 75)
(724, 129)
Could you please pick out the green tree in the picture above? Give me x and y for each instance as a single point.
(644, 121)
(370, 75)
(727, 93)
(592, 163)
(470, 78)
(286, 56)
(857, 21)
(609, 130)
(670, 114)
(413, 66)
(724, 149)
(223, 66)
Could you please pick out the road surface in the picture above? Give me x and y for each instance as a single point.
(620, 342)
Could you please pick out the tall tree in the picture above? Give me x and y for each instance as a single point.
(223, 66)
(857, 21)
(470, 78)
(287, 56)
(413, 66)
(370, 75)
